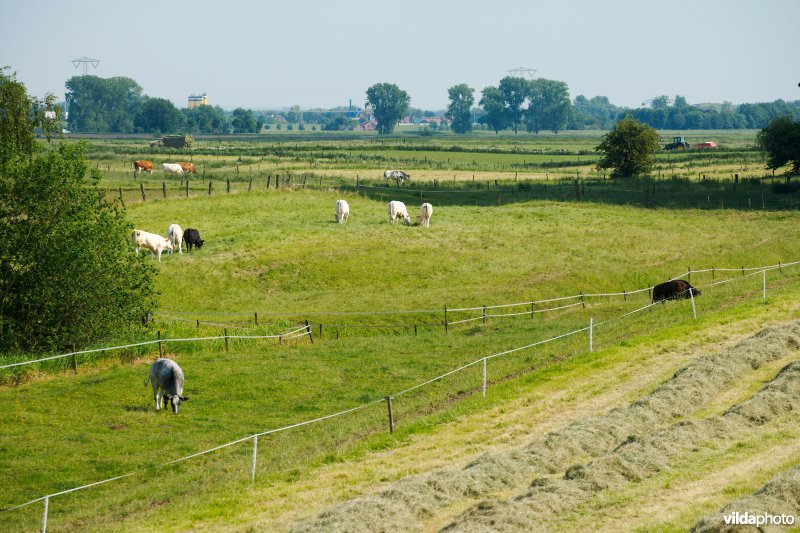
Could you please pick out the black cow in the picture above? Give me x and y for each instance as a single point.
(192, 238)
(672, 290)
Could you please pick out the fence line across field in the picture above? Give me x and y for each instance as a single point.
(254, 437)
(581, 296)
(288, 335)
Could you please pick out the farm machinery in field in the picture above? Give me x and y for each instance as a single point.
(678, 143)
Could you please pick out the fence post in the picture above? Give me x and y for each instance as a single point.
(187, 188)
(229, 183)
(141, 188)
(255, 318)
(255, 454)
(209, 187)
(391, 415)
(764, 284)
(532, 304)
(484, 377)
(415, 330)
(310, 333)
(591, 333)
(484, 314)
(445, 319)
(694, 310)
(164, 188)
(160, 349)
(75, 363)
(320, 330)
(583, 302)
(226, 339)
(44, 515)
(689, 274)
(250, 186)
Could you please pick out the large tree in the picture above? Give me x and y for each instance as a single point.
(206, 119)
(629, 148)
(389, 104)
(68, 274)
(494, 111)
(515, 92)
(781, 141)
(158, 115)
(549, 107)
(462, 96)
(244, 121)
(102, 105)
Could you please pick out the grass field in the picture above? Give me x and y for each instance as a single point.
(278, 253)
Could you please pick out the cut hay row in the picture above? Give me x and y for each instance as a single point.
(636, 459)
(779, 497)
(415, 498)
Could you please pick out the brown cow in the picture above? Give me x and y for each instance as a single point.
(188, 167)
(672, 290)
(139, 166)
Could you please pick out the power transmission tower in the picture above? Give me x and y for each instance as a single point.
(522, 72)
(86, 61)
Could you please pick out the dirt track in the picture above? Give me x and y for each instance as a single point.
(604, 443)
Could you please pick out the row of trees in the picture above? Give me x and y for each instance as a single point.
(118, 105)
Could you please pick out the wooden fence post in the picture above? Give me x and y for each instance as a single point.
(310, 333)
(255, 318)
(391, 415)
(229, 184)
(445, 319)
(226, 340)
(141, 188)
(209, 187)
(187, 188)
(164, 188)
(160, 348)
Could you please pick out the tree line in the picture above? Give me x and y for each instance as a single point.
(118, 105)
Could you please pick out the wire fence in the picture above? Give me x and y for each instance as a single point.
(562, 344)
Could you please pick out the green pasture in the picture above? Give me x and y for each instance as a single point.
(277, 254)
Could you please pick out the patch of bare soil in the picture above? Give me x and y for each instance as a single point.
(406, 503)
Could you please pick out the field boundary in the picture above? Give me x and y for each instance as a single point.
(387, 399)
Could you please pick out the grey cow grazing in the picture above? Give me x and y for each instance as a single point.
(167, 380)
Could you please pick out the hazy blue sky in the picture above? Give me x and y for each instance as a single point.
(264, 54)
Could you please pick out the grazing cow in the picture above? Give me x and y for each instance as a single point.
(175, 236)
(672, 290)
(192, 238)
(155, 243)
(342, 211)
(167, 380)
(397, 175)
(188, 167)
(139, 166)
(398, 210)
(425, 213)
(172, 167)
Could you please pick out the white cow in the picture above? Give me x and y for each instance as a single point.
(425, 213)
(155, 243)
(172, 167)
(398, 210)
(175, 236)
(342, 211)
(167, 380)
(397, 175)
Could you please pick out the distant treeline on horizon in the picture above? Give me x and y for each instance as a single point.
(118, 105)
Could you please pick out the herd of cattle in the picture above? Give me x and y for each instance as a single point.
(175, 238)
(175, 168)
(396, 211)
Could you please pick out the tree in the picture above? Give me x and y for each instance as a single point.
(549, 106)
(515, 91)
(629, 148)
(781, 141)
(158, 115)
(294, 115)
(389, 104)
(244, 121)
(494, 109)
(460, 109)
(206, 119)
(68, 275)
(102, 105)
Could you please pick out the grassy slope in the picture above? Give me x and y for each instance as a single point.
(281, 253)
